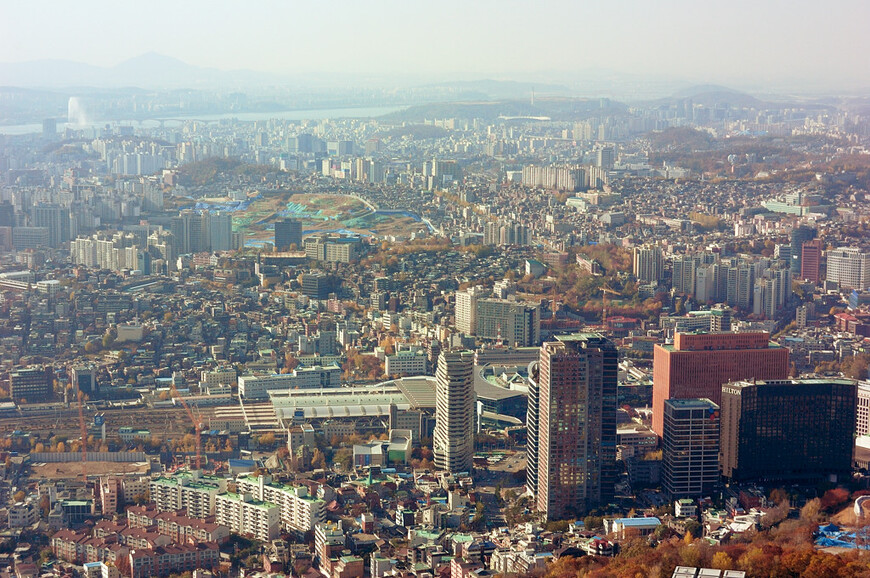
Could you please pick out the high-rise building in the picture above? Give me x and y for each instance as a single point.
(683, 275)
(690, 447)
(605, 157)
(453, 439)
(850, 267)
(811, 260)
(648, 263)
(220, 229)
(862, 419)
(466, 310)
(49, 128)
(573, 414)
(696, 366)
(799, 236)
(787, 430)
(7, 214)
(190, 230)
(516, 322)
(54, 218)
(288, 233)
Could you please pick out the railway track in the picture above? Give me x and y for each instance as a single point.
(162, 422)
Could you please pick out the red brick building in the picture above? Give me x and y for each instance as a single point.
(698, 364)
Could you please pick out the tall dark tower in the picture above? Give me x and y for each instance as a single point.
(573, 412)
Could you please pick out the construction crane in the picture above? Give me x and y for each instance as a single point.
(84, 431)
(197, 425)
(604, 291)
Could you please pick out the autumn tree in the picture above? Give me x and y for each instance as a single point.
(722, 561)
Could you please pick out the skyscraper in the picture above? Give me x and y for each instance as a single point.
(811, 260)
(697, 364)
(800, 429)
(288, 232)
(799, 236)
(220, 229)
(574, 415)
(453, 439)
(190, 230)
(466, 310)
(683, 276)
(648, 263)
(54, 218)
(690, 447)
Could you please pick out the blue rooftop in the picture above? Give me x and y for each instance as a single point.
(629, 522)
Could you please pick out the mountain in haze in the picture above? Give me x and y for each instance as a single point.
(150, 70)
(713, 94)
(488, 89)
(556, 108)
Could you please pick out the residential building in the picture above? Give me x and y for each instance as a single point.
(298, 511)
(466, 310)
(515, 322)
(648, 264)
(242, 514)
(191, 491)
(454, 412)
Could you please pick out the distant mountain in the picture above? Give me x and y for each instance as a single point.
(566, 109)
(489, 89)
(713, 94)
(149, 70)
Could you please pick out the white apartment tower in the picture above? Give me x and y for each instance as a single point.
(466, 310)
(454, 411)
(648, 263)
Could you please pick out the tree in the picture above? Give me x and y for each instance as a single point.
(593, 522)
(39, 448)
(45, 505)
(722, 561)
(810, 511)
(122, 563)
(693, 528)
(267, 439)
(857, 366)
(19, 496)
(318, 460)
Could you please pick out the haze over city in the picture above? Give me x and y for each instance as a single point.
(766, 46)
(383, 289)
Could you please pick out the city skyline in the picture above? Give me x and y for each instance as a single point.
(748, 46)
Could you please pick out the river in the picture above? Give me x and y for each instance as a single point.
(177, 120)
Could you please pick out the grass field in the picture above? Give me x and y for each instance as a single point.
(321, 212)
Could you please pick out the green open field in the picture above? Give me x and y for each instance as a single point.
(320, 212)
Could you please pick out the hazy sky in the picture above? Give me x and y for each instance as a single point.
(745, 41)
